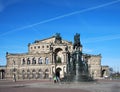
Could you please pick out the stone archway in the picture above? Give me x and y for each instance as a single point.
(59, 56)
(58, 72)
(2, 74)
(46, 74)
(103, 73)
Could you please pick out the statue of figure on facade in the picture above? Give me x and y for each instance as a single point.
(58, 38)
(77, 43)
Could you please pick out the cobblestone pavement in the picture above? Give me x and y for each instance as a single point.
(46, 85)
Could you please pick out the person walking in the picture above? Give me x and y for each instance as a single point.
(55, 79)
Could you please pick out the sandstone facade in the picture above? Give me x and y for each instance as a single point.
(46, 56)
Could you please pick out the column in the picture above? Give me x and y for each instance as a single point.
(53, 57)
(0, 74)
(64, 57)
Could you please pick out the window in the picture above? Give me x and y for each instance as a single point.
(47, 46)
(46, 70)
(40, 74)
(23, 61)
(34, 47)
(58, 60)
(23, 71)
(31, 47)
(42, 46)
(46, 73)
(46, 61)
(23, 74)
(38, 47)
(33, 61)
(28, 74)
(33, 70)
(33, 73)
(13, 62)
(14, 69)
(28, 70)
(69, 47)
(39, 70)
(28, 61)
(40, 61)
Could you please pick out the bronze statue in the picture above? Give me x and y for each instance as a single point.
(77, 43)
(58, 38)
(77, 68)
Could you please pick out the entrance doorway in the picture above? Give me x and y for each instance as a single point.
(103, 73)
(58, 72)
(2, 74)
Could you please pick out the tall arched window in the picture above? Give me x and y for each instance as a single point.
(28, 74)
(23, 74)
(33, 70)
(46, 70)
(33, 73)
(40, 74)
(23, 61)
(39, 70)
(46, 61)
(46, 74)
(33, 61)
(23, 71)
(40, 61)
(28, 61)
(14, 62)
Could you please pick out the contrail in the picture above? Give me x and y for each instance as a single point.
(62, 16)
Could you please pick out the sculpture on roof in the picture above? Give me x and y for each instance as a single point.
(58, 38)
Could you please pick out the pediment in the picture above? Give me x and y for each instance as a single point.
(51, 40)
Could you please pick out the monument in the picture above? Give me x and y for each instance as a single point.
(77, 68)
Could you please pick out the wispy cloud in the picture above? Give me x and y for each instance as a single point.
(6, 3)
(87, 50)
(102, 38)
(61, 16)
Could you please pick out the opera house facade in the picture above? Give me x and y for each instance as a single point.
(46, 57)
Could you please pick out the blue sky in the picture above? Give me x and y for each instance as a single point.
(97, 21)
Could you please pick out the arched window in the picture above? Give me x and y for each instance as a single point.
(28, 61)
(33, 61)
(23, 71)
(33, 73)
(39, 70)
(33, 70)
(46, 70)
(28, 74)
(40, 60)
(28, 71)
(46, 61)
(46, 74)
(14, 69)
(23, 61)
(23, 74)
(40, 74)
(13, 62)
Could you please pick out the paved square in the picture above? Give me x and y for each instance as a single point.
(46, 85)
